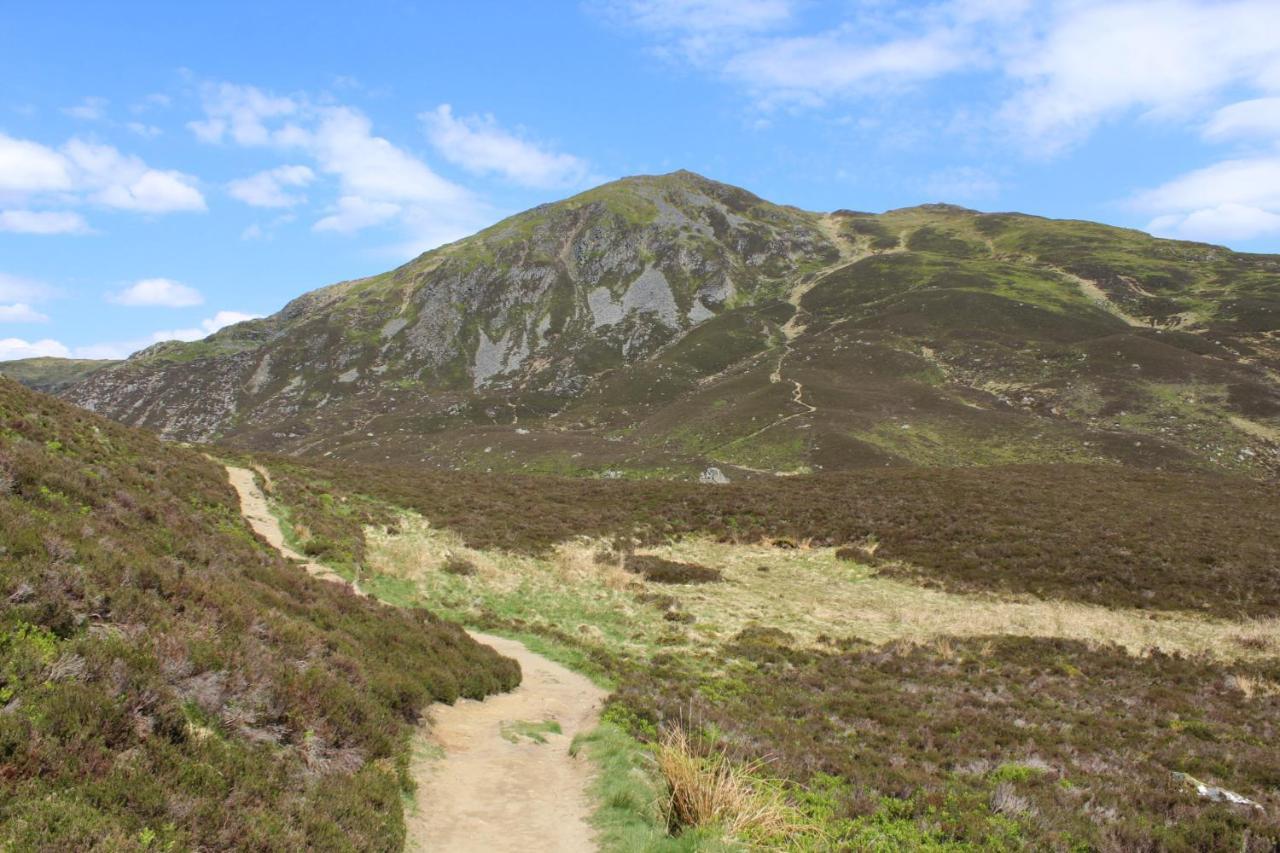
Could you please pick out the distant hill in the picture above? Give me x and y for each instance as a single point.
(168, 682)
(52, 375)
(662, 325)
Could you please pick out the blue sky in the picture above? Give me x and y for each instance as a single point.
(166, 168)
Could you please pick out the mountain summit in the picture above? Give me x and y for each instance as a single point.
(665, 324)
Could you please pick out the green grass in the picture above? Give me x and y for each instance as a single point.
(516, 731)
(631, 797)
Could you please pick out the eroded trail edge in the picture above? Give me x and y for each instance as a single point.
(494, 775)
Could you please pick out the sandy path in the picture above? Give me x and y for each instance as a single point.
(489, 794)
(253, 506)
(486, 793)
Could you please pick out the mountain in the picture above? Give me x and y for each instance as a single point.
(660, 325)
(52, 375)
(168, 682)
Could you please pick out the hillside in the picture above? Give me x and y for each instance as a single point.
(167, 682)
(661, 325)
(52, 375)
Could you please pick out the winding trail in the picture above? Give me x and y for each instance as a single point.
(484, 784)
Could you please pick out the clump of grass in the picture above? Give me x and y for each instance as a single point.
(709, 790)
(456, 564)
(632, 811)
(660, 570)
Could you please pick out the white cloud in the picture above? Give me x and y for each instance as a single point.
(267, 189)
(31, 167)
(161, 292)
(42, 222)
(1251, 181)
(125, 182)
(478, 144)
(1259, 117)
(1062, 66)
(207, 327)
(372, 167)
(1166, 58)
(253, 232)
(89, 109)
(12, 348)
(21, 312)
(17, 289)
(124, 349)
(101, 172)
(1231, 200)
(1225, 222)
(379, 182)
(146, 131)
(812, 68)
(353, 213)
(239, 113)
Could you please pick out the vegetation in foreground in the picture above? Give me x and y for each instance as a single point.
(824, 692)
(818, 697)
(167, 682)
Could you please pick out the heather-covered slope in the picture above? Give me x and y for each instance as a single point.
(665, 324)
(167, 682)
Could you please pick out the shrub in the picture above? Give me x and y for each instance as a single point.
(457, 565)
(660, 570)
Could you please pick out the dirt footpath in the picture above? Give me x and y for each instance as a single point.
(253, 506)
(497, 788)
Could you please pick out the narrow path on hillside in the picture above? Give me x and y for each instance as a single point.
(494, 775)
(795, 326)
(253, 506)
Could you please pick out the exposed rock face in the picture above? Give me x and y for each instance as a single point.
(678, 324)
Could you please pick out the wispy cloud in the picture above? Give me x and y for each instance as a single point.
(89, 109)
(479, 144)
(378, 182)
(268, 189)
(42, 222)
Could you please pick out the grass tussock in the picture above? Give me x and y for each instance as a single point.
(707, 790)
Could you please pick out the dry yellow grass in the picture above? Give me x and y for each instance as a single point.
(807, 592)
(713, 791)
